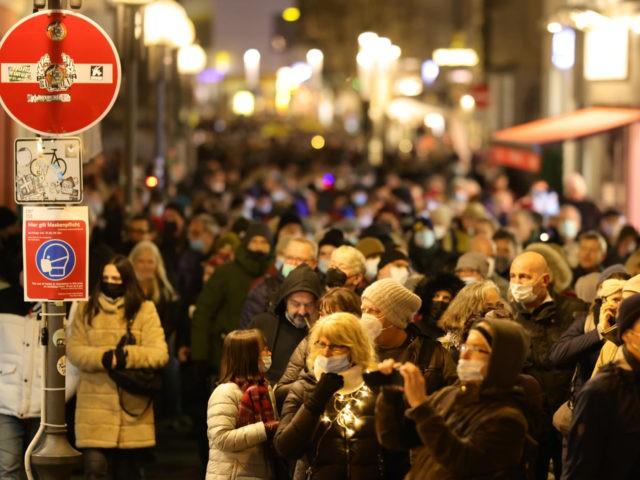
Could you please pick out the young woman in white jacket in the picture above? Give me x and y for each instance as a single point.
(241, 418)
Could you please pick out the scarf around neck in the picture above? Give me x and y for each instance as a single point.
(255, 404)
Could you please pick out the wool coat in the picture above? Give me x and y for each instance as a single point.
(234, 453)
(100, 420)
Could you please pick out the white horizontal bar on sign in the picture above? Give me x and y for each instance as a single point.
(85, 73)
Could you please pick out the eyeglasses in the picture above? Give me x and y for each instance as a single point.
(296, 305)
(332, 347)
(468, 347)
(295, 260)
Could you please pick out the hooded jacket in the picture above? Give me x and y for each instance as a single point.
(463, 431)
(281, 335)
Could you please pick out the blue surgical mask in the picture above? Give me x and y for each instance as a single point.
(287, 269)
(334, 364)
(470, 370)
(197, 245)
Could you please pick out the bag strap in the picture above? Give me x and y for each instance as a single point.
(572, 389)
(129, 323)
(125, 408)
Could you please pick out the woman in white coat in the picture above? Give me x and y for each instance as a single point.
(241, 419)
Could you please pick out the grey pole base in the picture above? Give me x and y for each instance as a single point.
(55, 458)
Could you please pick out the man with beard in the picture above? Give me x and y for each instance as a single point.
(294, 314)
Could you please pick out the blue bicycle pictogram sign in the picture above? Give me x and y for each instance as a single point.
(55, 259)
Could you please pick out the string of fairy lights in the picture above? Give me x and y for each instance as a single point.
(347, 409)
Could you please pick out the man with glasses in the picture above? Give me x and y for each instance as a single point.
(264, 294)
(289, 323)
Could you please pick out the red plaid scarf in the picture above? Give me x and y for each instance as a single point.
(255, 405)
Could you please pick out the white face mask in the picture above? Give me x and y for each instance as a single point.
(265, 363)
(371, 325)
(400, 274)
(439, 231)
(522, 293)
(323, 265)
(424, 238)
(334, 364)
(470, 370)
(372, 267)
(492, 266)
(468, 280)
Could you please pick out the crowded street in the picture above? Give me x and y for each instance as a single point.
(290, 240)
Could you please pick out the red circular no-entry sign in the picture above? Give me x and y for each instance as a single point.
(59, 72)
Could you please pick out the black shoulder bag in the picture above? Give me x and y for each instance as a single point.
(138, 381)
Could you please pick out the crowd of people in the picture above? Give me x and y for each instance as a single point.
(344, 322)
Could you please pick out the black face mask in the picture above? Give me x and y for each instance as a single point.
(502, 264)
(335, 278)
(436, 310)
(170, 229)
(257, 256)
(112, 290)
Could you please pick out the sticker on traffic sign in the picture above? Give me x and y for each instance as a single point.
(55, 242)
(48, 171)
(59, 72)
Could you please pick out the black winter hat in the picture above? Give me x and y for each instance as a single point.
(333, 237)
(628, 314)
(389, 256)
(257, 229)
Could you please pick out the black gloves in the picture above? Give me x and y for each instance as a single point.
(271, 428)
(121, 358)
(328, 384)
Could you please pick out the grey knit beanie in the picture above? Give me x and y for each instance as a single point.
(397, 303)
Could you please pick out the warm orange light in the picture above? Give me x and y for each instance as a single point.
(151, 181)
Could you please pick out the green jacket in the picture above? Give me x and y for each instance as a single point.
(219, 305)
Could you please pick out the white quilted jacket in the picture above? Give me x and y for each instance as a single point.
(234, 453)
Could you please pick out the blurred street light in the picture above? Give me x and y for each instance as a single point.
(130, 27)
(191, 59)
(166, 28)
(376, 62)
(252, 68)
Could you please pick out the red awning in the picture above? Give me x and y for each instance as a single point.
(580, 123)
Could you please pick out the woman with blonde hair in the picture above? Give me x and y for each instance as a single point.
(152, 278)
(474, 300)
(241, 418)
(327, 420)
(335, 300)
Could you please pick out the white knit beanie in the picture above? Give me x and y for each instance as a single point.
(397, 303)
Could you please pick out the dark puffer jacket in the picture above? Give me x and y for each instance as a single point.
(546, 324)
(324, 448)
(468, 431)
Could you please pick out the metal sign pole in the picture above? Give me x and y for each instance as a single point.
(54, 458)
